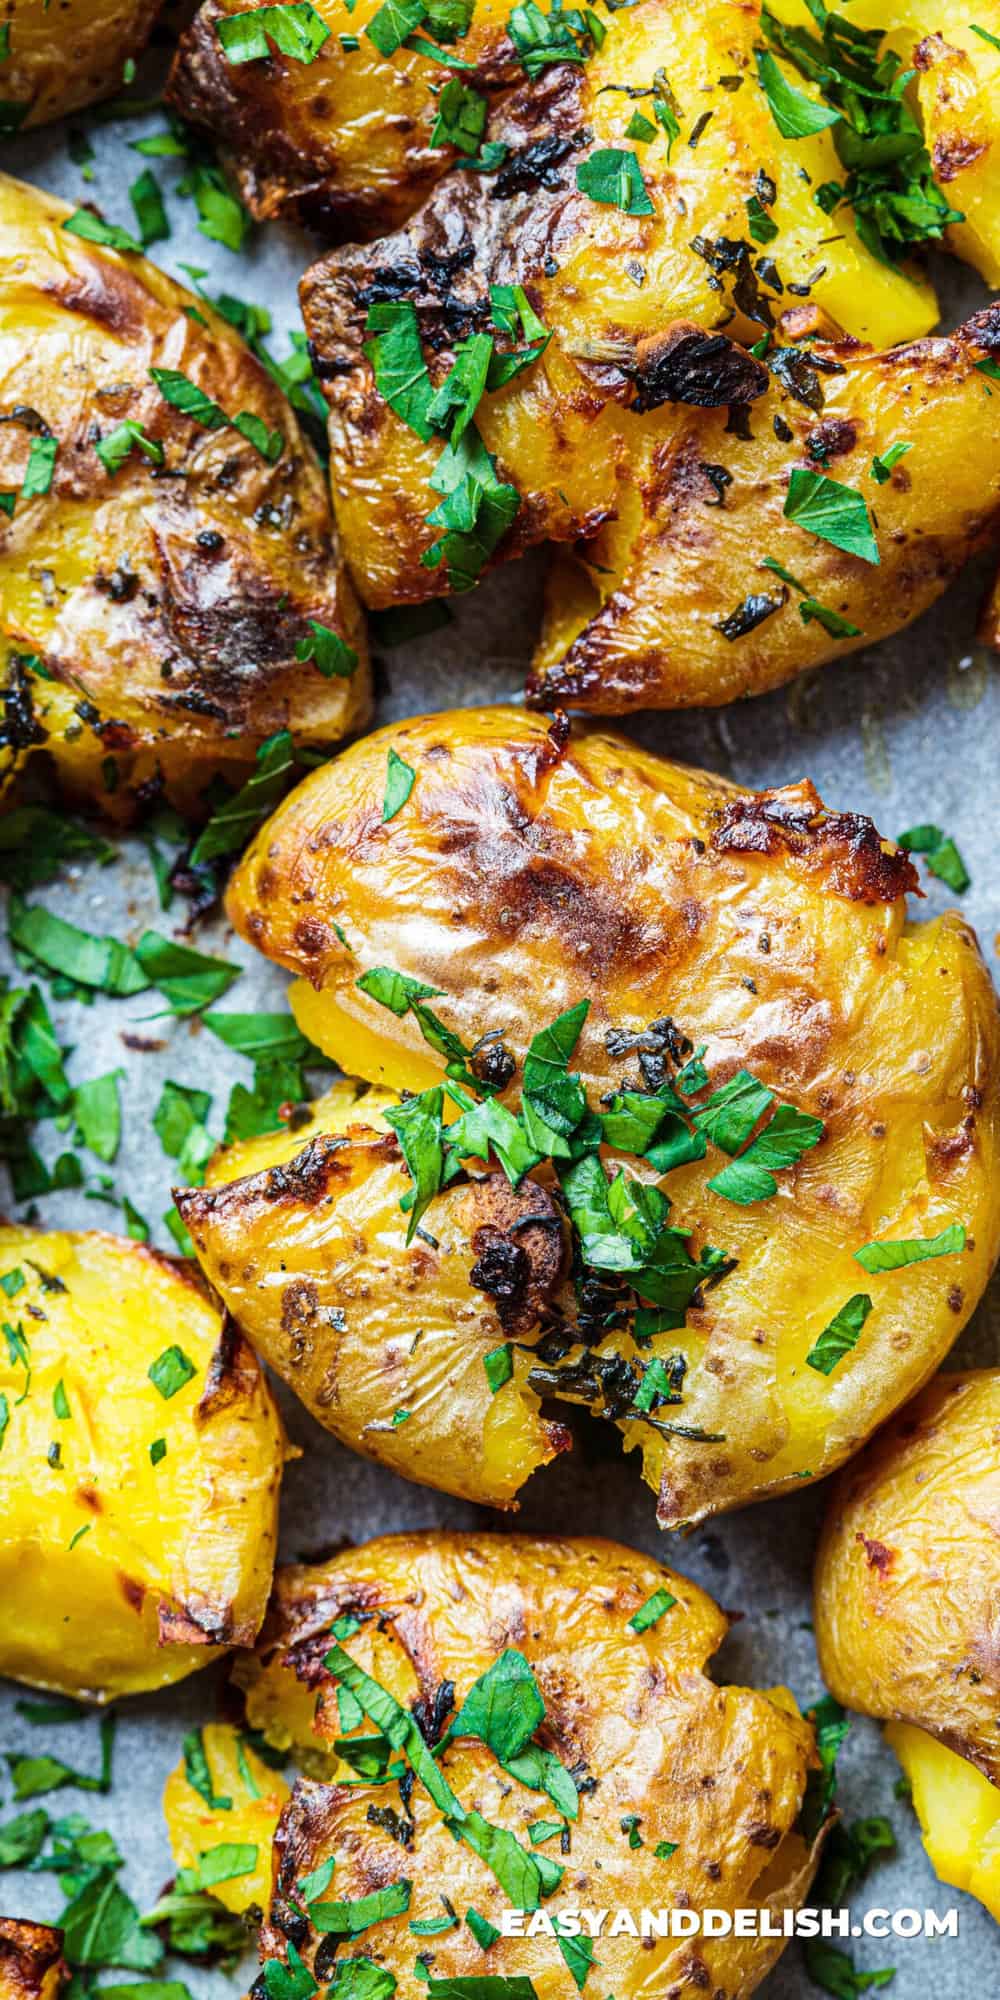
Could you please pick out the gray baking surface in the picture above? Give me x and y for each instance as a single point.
(907, 733)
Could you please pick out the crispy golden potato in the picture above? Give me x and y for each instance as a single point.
(683, 1791)
(68, 53)
(32, 1966)
(138, 1509)
(342, 143)
(347, 1102)
(908, 1571)
(164, 602)
(255, 1795)
(671, 605)
(529, 870)
(385, 1346)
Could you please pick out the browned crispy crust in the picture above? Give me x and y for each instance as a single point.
(32, 1966)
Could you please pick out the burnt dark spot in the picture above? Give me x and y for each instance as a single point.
(19, 728)
(537, 165)
(831, 438)
(847, 846)
(502, 1269)
(688, 365)
(752, 612)
(877, 1555)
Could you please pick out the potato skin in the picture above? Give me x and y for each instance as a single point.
(531, 868)
(173, 604)
(118, 1575)
(341, 144)
(32, 1966)
(635, 1711)
(908, 1571)
(309, 1256)
(634, 617)
(71, 52)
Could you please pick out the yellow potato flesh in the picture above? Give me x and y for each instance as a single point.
(519, 879)
(103, 1554)
(959, 1813)
(256, 1794)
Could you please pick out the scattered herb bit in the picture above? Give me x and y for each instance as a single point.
(613, 177)
(832, 511)
(330, 654)
(188, 980)
(294, 27)
(117, 447)
(157, 1451)
(882, 466)
(892, 1256)
(182, 394)
(485, 1933)
(499, 1366)
(83, 222)
(399, 781)
(650, 1613)
(231, 826)
(150, 214)
(940, 853)
(841, 1336)
(170, 1371)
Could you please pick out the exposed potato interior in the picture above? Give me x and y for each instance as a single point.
(142, 1456)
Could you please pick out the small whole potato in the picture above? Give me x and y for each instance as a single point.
(140, 1460)
(65, 54)
(529, 873)
(907, 1612)
(32, 1966)
(170, 606)
(581, 1757)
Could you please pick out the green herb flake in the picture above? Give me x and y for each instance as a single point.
(93, 229)
(147, 205)
(399, 781)
(892, 1256)
(612, 176)
(327, 651)
(650, 1613)
(940, 853)
(841, 1336)
(499, 1366)
(881, 469)
(485, 1933)
(833, 512)
(795, 114)
(294, 27)
(157, 1451)
(170, 1371)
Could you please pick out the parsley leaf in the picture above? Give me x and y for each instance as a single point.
(93, 229)
(399, 781)
(294, 27)
(329, 653)
(795, 115)
(613, 177)
(940, 853)
(834, 512)
(885, 1255)
(882, 466)
(652, 1611)
(841, 1336)
(232, 824)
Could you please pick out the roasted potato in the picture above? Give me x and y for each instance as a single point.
(32, 1966)
(152, 613)
(254, 1795)
(386, 1346)
(908, 1612)
(68, 54)
(681, 1791)
(344, 142)
(527, 871)
(139, 1471)
(671, 604)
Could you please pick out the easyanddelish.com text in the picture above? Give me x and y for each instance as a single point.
(681, 1923)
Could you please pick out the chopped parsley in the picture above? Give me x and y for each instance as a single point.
(182, 394)
(612, 176)
(233, 823)
(940, 853)
(499, 1366)
(399, 781)
(294, 27)
(650, 1613)
(93, 229)
(810, 607)
(892, 1256)
(881, 469)
(841, 1336)
(330, 654)
(119, 444)
(834, 512)
(170, 1371)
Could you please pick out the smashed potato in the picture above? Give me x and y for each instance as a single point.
(253, 1795)
(619, 412)
(577, 1741)
(388, 1348)
(32, 1966)
(154, 600)
(139, 1474)
(908, 1571)
(69, 53)
(529, 871)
